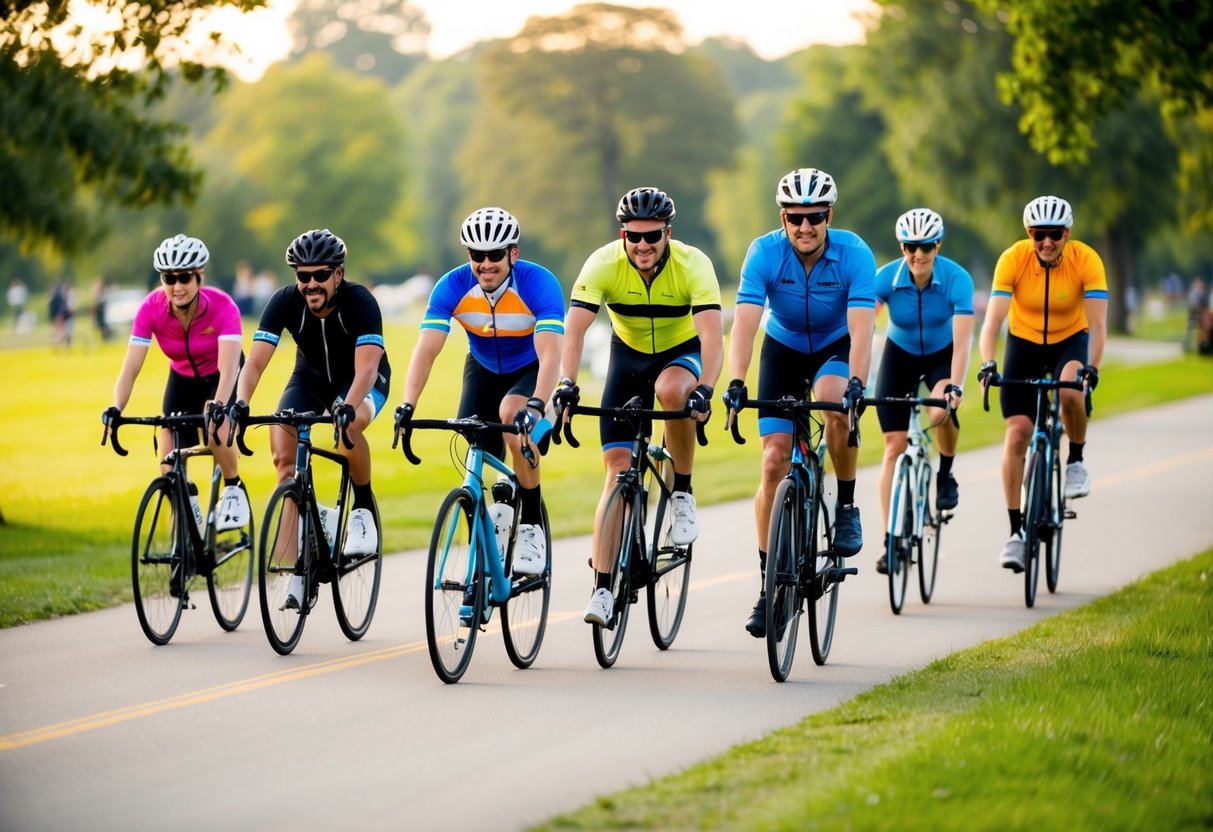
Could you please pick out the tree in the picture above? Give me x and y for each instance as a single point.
(385, 38)
(75, 122)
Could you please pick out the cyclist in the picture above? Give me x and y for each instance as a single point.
(340, 366)
(199, 330)
(513, 313)
(663, 300)
(818, 285)
(930, 303)
(1053, 292)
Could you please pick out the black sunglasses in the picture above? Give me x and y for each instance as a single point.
(815, 218)
(171, 278)
(1040, 234)
(650, 237)
(927, 248)
(495, 256)
(320, 275)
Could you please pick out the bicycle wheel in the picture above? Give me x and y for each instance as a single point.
(1035, 507)
(356, 589)
(671, 569)
(1057, 517)
(899, 540)
(524, 618)
(157, 550)
(285, 533)
(932, 531)
(230, 580)
(819, 550)
(619, 532)
(781, 583)
(454, 591)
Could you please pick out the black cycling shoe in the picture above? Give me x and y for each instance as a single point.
(848, 537)
(757, 625)
(882, 564)
(946, 493)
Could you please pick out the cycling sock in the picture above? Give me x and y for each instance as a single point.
(682, 482)
(1016, 520)
(846, 492)
(233, 481)
(602, 580)
(528, 501)
(762, 570)
(362, 495)
(1075, 452)
(945, 465)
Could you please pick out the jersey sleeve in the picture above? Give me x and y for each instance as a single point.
(366, 324)
(705, 288)
(231, 327)
(883, 286)
(752, 287)
(549, 301)
(145, 317)
(441, 306)
(1004, 274)
(273, 317)
(588, 288)
(1094, 277)
(862, 291)
(961, 292)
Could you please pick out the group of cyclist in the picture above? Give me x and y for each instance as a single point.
(813, 288)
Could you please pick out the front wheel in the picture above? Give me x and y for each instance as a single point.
(524, 618)
(285, 533)
(356, 590)
(619, 532)
(823, 600)
(671, 574)
(158, 561)
(899, 542)
(1035, 509)
(932, 531)
(454, 587)
(1057, 516)
(230, 581)
(781, 583)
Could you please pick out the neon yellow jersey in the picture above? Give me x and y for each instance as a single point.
(649, 317)
(1077, 275)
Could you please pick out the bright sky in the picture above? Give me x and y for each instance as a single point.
(773, 28)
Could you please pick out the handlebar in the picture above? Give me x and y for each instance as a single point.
(632, 411)
(468, 427)
(293, 419)
(1036, 383)
(915, 401)
(792, 404)
(172, 421)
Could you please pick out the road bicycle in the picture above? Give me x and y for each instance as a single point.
(662, 570)
(171, 546)
(915, 525)
(802, 564)
(295, 523)
(467, 573)
(1044, 497)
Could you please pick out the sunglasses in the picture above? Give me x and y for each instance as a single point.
(1041, 234)
(815, 218)
(650, 237)
(495, 256)
(926, 248)
(320, 275)
(172, 278)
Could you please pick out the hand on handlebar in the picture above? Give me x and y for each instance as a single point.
(734, 400)
(1090, 374)
(212, 419)
(699, 403)
(988, 375)
(853, 398)
(954, 393)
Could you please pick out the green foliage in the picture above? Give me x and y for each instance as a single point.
(384, 38)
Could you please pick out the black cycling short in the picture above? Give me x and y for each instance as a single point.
(899, 375)
(1028, 360)
(783, 371)
(631, 373)
(189, 394)
(307, 390)
(483, 392)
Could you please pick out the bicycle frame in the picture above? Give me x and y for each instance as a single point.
(499, 585)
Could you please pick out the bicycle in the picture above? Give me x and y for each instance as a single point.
(170, 546)
(467, 574)
(915, 526)
(662, 570)
(294, 522)
(1044, 497)
(802, 564)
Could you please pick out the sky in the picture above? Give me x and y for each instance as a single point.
(772, 28)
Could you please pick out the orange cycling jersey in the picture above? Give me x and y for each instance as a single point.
(1047, 304)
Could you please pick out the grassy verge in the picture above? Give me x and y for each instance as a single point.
(1098, 718)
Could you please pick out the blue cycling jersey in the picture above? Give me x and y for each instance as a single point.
(807, 314)
(501, 328)
(921, 322)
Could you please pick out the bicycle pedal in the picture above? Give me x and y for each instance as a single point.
(1070, 514)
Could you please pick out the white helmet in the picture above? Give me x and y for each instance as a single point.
(180, 253)
(806, 186)
(489, 229)
(919, 225)
(1047, 210)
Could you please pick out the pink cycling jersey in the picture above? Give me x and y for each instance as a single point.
(192, 351)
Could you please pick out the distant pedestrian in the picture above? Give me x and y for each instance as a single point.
(16, 297)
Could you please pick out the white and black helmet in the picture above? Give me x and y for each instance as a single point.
(489, 229)
(645, 203)
(1048, 211)
(919, 225)
(806, 186)
(180, 253)
(318, 247)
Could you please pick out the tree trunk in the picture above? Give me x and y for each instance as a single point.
(1120, 262)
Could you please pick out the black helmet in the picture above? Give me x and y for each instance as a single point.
(318, 247)
(645, 204)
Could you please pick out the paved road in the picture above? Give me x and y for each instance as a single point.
(100, 730)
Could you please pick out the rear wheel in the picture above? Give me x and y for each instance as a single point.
(284, 534)
(620, 528)
(157, 554)
(782, 580)
(524, 618)
(899, 541)
(667, 590)
(356, 590)
(932, 531)
(1036, 508)
(823, 602)
(1057, 514)
(454, 589)
(230, 581)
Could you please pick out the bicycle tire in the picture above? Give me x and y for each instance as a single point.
(454, 589)
(284, 536)
(899, 540)
(356, 587)
(1057, 513)
(671, 568)
(524, 617)
(823, 603)
(1035, 506)
(932, 531)
(229, 581)
(157, 546)
(619, 534)
(781, 582)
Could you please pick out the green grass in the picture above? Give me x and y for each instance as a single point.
(1099, 718)
(68, 503)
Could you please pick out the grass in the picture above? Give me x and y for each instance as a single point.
(67, 503)
(1098, 718)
